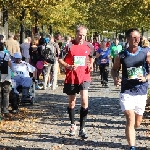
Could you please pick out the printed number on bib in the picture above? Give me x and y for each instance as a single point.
(79, 60)
(19, 73)
(134, 72)
(103, 61)
(116, 52)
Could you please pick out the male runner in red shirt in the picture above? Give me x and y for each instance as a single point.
(78, 63)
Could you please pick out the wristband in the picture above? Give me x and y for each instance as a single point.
(146, 79)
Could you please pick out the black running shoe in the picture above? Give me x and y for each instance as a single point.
(82, 134)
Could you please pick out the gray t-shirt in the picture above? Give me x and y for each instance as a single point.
(24, 47)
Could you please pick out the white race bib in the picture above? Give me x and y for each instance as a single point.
(103, 61)
(134, 72)
(116, 52)
(79, 60)
(19, 73)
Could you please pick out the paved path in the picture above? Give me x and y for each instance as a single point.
(45, 126)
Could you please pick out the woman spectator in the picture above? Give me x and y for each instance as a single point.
(96, 46)
(35, 56)
(103, 55)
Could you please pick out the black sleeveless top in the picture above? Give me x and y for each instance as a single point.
(132, 66)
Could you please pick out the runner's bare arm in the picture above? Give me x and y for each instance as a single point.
(63, 63)
(91, 59)
(148, 58)
(148, 61)
(115, 68)
(97, 55)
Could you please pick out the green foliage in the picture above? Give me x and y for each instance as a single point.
(64, 15)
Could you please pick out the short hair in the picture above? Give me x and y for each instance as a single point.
(128, 32)
(67, 37)
(145, 43)
(35, 41)
(42, 41)
(26, 40)
(80, 26)
(10, 35)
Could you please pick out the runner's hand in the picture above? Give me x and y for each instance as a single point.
(141, 79)
(72, 67)
(90, 67)
(117, 82)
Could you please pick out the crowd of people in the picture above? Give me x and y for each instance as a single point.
(79, 58)
(23, 64)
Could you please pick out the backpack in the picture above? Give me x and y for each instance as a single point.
(49, 53)
(3, 65)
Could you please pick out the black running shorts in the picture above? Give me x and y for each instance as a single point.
(72, 89)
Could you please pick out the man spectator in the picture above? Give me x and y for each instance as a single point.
(12, 45)
(55, 66)
(24, 48)
(78, 63)
(5, 81)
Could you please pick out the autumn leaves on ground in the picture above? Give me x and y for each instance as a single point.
(30, 119)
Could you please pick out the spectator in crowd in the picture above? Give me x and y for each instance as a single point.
(55, 66)
(146, 44)
(96, 46)
(12, 45)
(24, 48)
(5, 82)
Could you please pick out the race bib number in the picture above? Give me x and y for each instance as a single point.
(134, 72)
(116, 52)
(19, 73)
(103, 61)
(79, 60)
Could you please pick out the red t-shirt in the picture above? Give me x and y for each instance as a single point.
(108, 44)
(82, 72)
(96, 46)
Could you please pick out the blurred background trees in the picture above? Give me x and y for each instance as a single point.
(47, 16)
